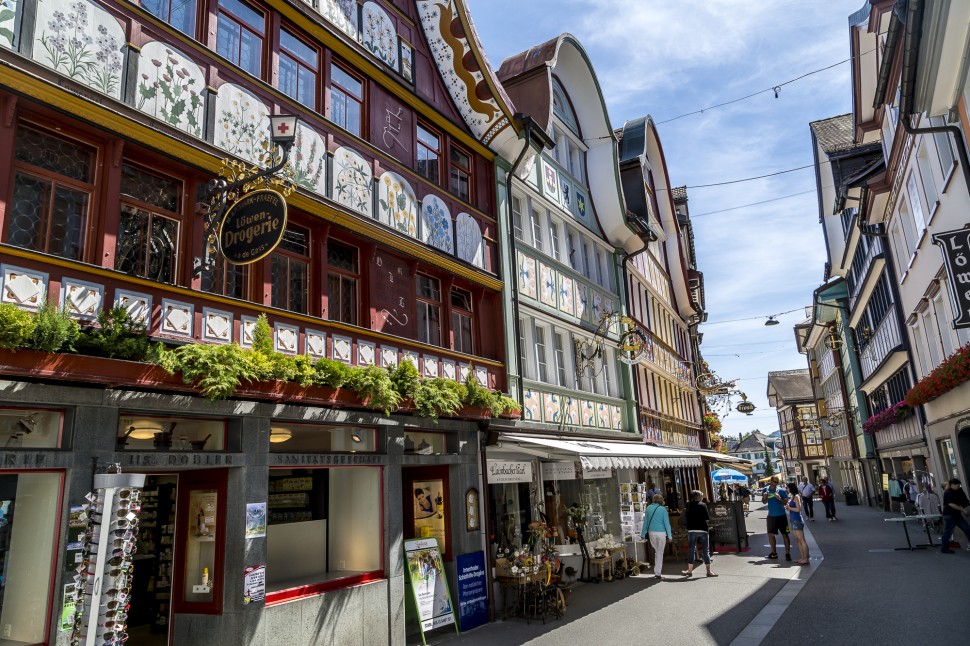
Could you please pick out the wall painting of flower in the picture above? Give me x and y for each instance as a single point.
(242, 124)
(170, 87)
(397, 203)
(352, 177)
(308, 160)
(471, 245)
(436, 224)
(380, 37)
(8, 20)
(342, 14)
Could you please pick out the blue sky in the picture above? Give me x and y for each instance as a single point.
(667, 58)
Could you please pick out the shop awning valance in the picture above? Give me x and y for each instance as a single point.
(601, 454)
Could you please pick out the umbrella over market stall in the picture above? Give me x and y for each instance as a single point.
(728, 475)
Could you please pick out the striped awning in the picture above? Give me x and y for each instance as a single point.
(595, 454)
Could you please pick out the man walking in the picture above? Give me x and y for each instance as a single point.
(806, 490)
(827, 494)
(955, 504)
(777, 518)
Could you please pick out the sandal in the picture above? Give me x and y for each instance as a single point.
(687, 573)
(711, 574)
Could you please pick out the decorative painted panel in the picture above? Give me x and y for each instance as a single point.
(287, 338)
(582, 301)
(531, 408)
(550, 182)
(552, 408)
(351, 183)
(388, 357)
(81, 299)
(597, 306)
(463, 371)
(566, 294)
(397, 203)
(316, 343)
(451, 52)
(309, 160)
(342, 14)
(242, 124)
(170, 87)
(366, 353)
(216, 325)
(571, 410)
(617, 417)
(342, 346)
(23, 287)
(565, 193)
(139, 306)
(436, 224)
(430, 367)
(602, 415)
(411, 356)
(177, 317)
(547, 285)
(471, 246)
(580, 205)
(81, 41)
(587, 413)
(8, 19)
(246, 326)
(527, 275)
(379, 35)
(448, 369)
(481, 376)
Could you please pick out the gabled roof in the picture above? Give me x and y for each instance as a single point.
(834, 134)
(752, 443)
(789, 386)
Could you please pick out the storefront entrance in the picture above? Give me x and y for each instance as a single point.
(151, 592)
(426, 503)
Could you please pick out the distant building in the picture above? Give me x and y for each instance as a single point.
(790, 393)
(753, 447)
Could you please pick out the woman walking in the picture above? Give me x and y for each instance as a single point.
(697, 517)
(797, 522)
(656, 529)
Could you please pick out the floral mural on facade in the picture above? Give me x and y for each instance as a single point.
(530, 406)
(352, 180)
(552, 408)
(81, 41)
(170, 87)
(603, 415)
(397, 203)
(588, 413)
(380, 37)
(308, 160)
(617, 417)
(436, 224)
(471, 245)
(527, 275)
(8, 18)
(242, 124)
(342, 14)
(547, 285)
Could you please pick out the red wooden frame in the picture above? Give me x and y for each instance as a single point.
(217, 479)
(408, 477)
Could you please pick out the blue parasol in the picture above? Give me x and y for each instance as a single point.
(728, 475)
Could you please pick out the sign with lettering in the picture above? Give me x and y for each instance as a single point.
(252, 227)
(472, 590)
(558, 470)
(429, 584)
(955, 246)
(500, 471)
(392, 295)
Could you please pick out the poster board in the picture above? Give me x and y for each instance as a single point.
(472, 589)
(429, 584)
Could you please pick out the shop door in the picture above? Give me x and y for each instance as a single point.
(149, 615)
(200, 536)
(426, 503)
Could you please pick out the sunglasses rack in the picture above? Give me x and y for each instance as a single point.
(103, 580)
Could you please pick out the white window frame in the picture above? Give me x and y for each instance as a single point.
(940, 314)
(948, 160)
(540, 333)
(928, 182)
(559, 345)
(928, 322)
(916, 204)
(535, 220)
(525, 333)
(554, 240)
(517, 218)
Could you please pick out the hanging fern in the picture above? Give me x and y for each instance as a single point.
(375, 387)
(436, 397)
(216, 370)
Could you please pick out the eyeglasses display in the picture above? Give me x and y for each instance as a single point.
(103, 578)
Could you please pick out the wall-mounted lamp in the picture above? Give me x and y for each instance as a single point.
(277, 435)
(356, 438)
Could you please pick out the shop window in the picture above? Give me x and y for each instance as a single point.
(309, 438)
(460, 174)
(240, 35)
(346, 100)
(29, 509)
(291, 270)
(29, 428)
(178, 13)
(429, 310)
(461, 321)
(425, 443)
(342, 281)
(143, 433)
(298, 69)
(324, 531)
(429, 154)
(226, 278)
(148, 232)
(52, 193)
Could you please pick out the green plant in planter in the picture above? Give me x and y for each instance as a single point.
(118, 336)
(506, 405)
(54, 329)
(298, 368)
(216, 370)
(374, 386)
(478, 397)
(405, 379)
(263, 336)
(16, 326)
(330, 372)
(436, 397)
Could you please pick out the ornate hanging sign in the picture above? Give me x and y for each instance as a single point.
(252, 227)
(955, 246)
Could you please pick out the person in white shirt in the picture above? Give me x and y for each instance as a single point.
(806, 490)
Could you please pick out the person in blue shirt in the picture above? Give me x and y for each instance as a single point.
(777, 518)
(656, 526)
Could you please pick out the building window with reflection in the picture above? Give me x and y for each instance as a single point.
(178, 13)
(53, 185)
(461, 321)
(429, 154)
(225, 278)
(342, 282)
(298, 69)
(429, 310)
(346, 100)
(240, 35)
(460, 174)
(148, 231)
(291, 270)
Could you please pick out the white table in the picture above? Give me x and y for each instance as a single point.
(923, 518)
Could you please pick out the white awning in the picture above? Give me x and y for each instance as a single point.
(721, 457)
(604, 454)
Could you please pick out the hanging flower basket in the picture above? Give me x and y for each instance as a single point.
(895, 413)
(954, 370)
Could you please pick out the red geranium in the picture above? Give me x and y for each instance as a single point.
(953, 371)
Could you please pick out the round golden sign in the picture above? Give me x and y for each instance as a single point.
(252, 227)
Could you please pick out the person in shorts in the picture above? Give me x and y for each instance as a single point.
(778, 518)
(796, 520)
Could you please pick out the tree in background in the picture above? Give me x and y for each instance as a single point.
(769, 467)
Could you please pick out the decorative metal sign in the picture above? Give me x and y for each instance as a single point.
(745, 407)
(253, 227)
(955, 246)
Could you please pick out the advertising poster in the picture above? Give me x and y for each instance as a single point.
(472, 590)
(202, 520)
(429, 510)
(255, 519)
(429, 584)
(254, 584)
